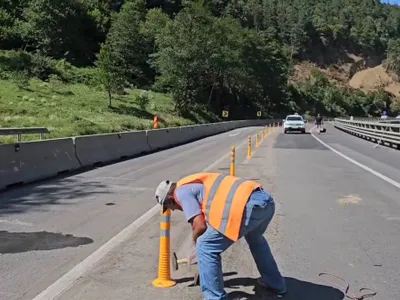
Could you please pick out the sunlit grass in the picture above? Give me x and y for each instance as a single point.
(76, 109)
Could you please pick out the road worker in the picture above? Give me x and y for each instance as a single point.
(221, 209)
(319, 121)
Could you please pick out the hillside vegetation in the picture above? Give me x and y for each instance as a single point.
(87, 66)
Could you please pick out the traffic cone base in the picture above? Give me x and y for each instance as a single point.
(163, 283)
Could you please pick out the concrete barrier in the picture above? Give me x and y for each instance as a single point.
(165, 138)
(30, 161)
(218, 128)
(232, 125)
(192, 133)
(104, 148)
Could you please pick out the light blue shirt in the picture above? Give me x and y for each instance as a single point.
(191, 197)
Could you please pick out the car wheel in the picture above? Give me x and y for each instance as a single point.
(303, 131)
(285, 131)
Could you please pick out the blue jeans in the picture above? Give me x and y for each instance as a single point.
(258, 214)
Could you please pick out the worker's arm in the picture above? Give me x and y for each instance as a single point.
(188, 198)
(199, 226)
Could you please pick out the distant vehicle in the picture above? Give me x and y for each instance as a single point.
(398, 117)
(294, 123)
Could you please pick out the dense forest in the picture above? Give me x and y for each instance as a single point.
(213, 54)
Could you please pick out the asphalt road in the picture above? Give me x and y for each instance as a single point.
(48, 228)
(382, 159)
(128, 271)
(332, 216)
(337, 217)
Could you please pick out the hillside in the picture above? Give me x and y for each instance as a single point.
(77, 109)
(351, 75)
(195, 59)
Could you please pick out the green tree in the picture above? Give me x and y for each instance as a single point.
(60, 29)
(129, 46)
(110, 75)
(216, 62)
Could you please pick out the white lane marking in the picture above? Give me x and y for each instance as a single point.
(67, 280)
(219, 160)
(393, 218)
(16, 222)
(376, 173)
(235, 134)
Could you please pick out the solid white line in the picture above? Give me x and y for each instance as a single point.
(67, 280)
(377, 174)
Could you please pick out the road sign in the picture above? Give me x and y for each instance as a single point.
(225, 113)
(384, 112)
(259, 114)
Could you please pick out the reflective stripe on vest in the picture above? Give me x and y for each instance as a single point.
(224, 201)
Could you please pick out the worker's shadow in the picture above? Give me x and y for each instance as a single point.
(191, 279)
(296, 290)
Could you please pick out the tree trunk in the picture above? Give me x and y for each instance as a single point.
(210, 96)
(109, 98)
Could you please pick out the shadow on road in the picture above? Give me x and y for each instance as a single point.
(17, 242)
(299, 133)
(190, 279)
(296, 290)
(36, 196)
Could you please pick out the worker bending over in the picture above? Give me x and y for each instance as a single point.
(221, 209)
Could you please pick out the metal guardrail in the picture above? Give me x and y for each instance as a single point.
(376, 119)
(26, 130)
(374, 130)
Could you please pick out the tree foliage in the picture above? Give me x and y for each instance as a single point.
(218, 54)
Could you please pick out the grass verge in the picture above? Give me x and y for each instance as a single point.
(77, 109)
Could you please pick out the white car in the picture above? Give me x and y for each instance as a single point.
(294, 123)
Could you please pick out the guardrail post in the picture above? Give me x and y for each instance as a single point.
(257, 142)
(233, 161)
(249, 147)
(164, 268)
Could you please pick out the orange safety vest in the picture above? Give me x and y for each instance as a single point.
(224, 200)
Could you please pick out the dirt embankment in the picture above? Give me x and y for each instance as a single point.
(366, 74)
(372, 79)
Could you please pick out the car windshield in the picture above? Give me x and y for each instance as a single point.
(294, 118)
